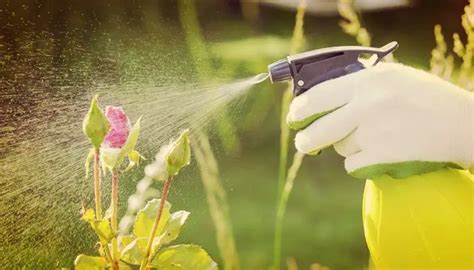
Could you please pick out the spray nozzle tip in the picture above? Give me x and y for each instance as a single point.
(279, 71)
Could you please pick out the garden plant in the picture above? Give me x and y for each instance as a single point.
(155, 226)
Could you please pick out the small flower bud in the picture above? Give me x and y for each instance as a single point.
(95, 125)
(179, 155)
(170, 159)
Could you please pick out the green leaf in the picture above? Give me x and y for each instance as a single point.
(88, 215)
(188, 257)
(134, 158)
(89, 157)
(146, 217)
(132, 138)
(134, 252)
(101, 227)
(179, 154)
(171, 231)
(173, 227)
(84, 262)
(124, 240)
(95, 125)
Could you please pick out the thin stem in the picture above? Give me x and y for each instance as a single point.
(281, 209)
(216, 196)
(297, 41)
(98, 195)
(217, 201)
(106, 251)
(114, 223)
(97, 184)
(164, 197)
(284, 138)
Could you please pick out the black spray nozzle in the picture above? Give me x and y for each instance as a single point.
(279, 71)
(313, 67)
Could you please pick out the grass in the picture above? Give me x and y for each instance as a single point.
(216, 200)
(352, 23)
(198, 50)
(297, 43)
(322, 221)
(443, 63)
(282, 204)
(323, 211)
(216, 194)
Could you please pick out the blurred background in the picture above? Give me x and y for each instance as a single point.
(55, 54)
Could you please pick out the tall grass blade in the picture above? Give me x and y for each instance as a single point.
(216, 195)
(352, 24)
(226, 130)
(217, 200)
(297, 43)
(292, 172)
(442, 60)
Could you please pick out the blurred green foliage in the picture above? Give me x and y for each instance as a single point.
(442, 61)
(63, 49)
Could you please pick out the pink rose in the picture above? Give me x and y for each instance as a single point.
(119, 127)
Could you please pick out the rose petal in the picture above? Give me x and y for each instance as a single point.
(119, 127)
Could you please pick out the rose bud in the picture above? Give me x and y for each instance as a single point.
(119, 127)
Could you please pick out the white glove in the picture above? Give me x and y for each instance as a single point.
(388, 119)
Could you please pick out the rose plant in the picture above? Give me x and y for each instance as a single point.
(155, 227)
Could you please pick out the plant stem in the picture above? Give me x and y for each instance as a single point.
(284, 137)
(297, 41)
(109, 258)
(114, 223)
(164, 196)
(217, 201)
(97, 184)
(281, 209)
(226, 131)
(98, 204)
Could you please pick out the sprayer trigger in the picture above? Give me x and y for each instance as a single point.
(310, 68)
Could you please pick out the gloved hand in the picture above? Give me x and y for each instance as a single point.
(388, 119)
